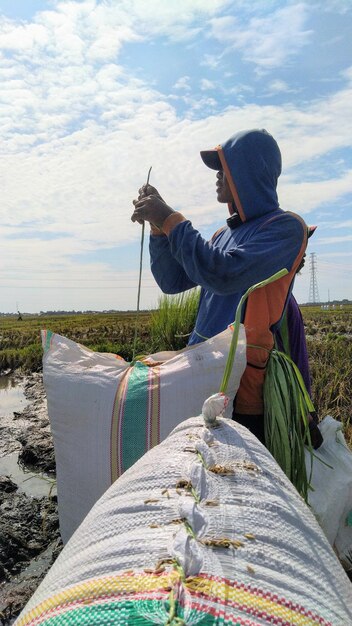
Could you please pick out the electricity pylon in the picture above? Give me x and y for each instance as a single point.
(313, 286)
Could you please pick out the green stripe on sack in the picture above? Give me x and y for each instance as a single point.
(110, 613)
(134, 425)
(138, 613)
(48, 336)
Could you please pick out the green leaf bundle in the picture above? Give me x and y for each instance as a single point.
(286, 418)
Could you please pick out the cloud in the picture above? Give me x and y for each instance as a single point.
(346, 224)
(307, 196)
(268, 42)
(183, 83)
(334, 240)
(90, 175)
(23, 37)
(80, 130)
(276, 87)
(210, 60)
(334, 254)
(340, 6)
(51, 67)
(224, 28)
(174, 18)
(206, 84)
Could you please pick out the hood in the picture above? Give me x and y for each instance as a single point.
(251, 160)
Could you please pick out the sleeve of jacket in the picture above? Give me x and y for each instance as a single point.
(169, 274)
(270, 248)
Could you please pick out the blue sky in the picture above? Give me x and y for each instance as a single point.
(94, 92)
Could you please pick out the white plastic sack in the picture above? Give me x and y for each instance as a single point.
(204, 528)
(331, 497)
(105, 414)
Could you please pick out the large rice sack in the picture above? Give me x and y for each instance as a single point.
(105, 414)
(204, 529)
(330, 495)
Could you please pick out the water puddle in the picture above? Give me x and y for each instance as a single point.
(12, 399)
(33, 484)
(11, 396)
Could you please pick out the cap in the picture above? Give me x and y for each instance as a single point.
(211, 159)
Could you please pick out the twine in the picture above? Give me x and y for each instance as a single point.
(139, 284)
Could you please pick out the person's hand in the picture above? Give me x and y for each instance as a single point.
(148, 190)
(150, 207)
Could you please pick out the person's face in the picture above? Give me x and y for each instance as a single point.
(222, 188)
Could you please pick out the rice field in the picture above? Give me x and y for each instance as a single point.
(328, 331)
(329, 341)
(20, 343)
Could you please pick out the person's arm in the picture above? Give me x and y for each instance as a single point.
(167, 271)
(273, 246)
(268, 250)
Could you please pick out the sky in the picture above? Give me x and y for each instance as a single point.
(94, 92)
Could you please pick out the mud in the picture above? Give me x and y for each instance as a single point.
(29, 528)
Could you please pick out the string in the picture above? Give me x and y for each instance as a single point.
(139, 283)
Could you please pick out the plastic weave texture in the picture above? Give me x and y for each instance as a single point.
(331, 495)
(106, 413)
(204, 529)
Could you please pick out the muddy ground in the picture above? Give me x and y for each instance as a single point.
(29, 527)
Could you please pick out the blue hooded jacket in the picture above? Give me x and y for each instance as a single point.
(260, 241)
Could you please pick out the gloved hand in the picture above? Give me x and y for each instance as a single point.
(150, 207)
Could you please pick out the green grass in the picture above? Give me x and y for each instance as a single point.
(173, 321)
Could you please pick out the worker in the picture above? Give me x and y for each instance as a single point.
(257, 240)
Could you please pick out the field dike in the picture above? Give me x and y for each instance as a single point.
(29, 527)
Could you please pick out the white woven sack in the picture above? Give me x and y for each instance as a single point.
(105, 414)
(331, 480)
(156, 536)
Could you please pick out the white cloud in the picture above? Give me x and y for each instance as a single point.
(346, 224)
(224, 28)
(92, 174)
(341, 6)
(79, 132)
(333, 240)
(304, 197)
(211, 61)
(23, 37)
(268, 41)
(206, 84)
(276, 87)
(183, 83)
(174, 18)
(334, 254)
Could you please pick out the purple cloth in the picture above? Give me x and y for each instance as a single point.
(291, 339)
